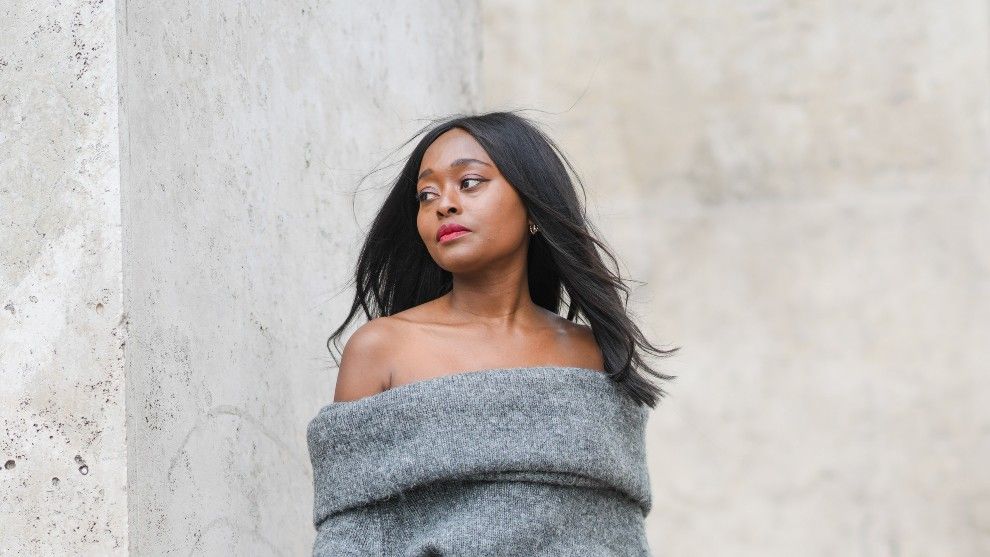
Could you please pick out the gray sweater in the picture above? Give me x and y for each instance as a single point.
(527, 461)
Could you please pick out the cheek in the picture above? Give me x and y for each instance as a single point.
(421, 229)
(511, 212)
(505, 222)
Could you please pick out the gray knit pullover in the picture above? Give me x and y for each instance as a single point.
(544, 460)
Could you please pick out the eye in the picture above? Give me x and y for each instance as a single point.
(420, 196)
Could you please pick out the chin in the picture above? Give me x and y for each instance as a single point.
(460, 263)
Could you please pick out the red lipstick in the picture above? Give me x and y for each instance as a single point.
(451, 230)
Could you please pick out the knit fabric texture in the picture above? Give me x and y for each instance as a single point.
(543, 460)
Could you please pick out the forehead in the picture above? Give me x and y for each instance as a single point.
(450, 146)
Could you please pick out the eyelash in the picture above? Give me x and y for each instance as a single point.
(419, 195)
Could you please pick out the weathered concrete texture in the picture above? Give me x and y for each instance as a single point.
(833, 381)
(714, 101)
(246, 127)
(62, 451)
(804, 188)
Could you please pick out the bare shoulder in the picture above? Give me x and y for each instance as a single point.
(578, 342)
(586, 346)
(364, 367)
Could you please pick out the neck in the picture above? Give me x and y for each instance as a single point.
(500, 299)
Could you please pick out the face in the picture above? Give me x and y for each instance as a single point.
(459, 184)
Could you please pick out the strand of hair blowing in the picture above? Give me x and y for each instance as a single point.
(395, 271)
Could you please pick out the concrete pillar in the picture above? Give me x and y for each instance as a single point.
(63, 464)
(176, 196)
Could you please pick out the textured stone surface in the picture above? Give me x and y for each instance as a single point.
(247, 128)
(210, 223)
(804, 188)
(833, 380)
(62, 330)
(714, 101)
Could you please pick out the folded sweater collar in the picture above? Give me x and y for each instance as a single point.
(551, 424)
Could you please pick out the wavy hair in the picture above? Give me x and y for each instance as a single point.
(395, 271)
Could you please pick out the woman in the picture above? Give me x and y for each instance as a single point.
(469, 417)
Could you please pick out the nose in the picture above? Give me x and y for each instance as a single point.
(449, 201)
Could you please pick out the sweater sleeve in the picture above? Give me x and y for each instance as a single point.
(354, 532)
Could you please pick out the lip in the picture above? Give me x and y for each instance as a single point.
(451, 228)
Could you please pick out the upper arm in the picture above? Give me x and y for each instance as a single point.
(362, 371)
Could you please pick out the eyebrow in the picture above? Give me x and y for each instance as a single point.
(458, 162)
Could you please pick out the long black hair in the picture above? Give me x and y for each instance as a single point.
(396, 272)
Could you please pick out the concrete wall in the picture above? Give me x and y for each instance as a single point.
(63, 474)
(203, 261)
(803, 187)
(246, 127)
(812, 178)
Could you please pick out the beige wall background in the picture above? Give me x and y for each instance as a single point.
(799, 187)
(802, 187)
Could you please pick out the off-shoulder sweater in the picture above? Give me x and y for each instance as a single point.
(542, 460)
